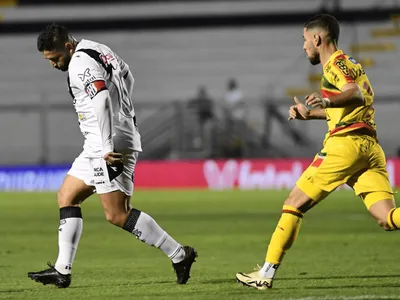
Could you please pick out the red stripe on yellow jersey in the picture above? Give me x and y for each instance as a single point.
(339, 70)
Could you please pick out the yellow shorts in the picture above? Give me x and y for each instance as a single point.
(353, 159)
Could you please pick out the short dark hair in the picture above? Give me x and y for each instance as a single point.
(326, 22)
(52, 37)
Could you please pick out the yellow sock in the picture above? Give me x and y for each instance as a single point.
(284, 235)
(393, 219)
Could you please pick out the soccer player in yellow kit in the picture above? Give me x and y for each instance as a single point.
(351, 154)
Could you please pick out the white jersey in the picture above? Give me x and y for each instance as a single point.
(91, 66)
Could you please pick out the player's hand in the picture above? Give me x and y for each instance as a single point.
(316, 100)
(298, 111)
(113, 158)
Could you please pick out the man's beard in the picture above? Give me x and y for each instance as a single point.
(64, 68)
(315, 59)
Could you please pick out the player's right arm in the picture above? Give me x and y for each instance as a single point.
(317, 114)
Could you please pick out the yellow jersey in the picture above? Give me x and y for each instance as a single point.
(338, 71)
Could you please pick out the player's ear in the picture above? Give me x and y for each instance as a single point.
(69, 47)
(317, 40)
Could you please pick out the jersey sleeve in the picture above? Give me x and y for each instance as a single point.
(86, 74)
(340, 73)
(123, 65)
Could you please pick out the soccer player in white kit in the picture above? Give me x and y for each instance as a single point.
(101, 85)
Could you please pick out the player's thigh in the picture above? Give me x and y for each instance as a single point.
(304, 196)
(374, 188)
(332, 167)
(73, 192)
(372, 184)
(115, 190)
(76, 186)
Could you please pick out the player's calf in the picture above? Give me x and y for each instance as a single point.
(382, 208)
(146, 229)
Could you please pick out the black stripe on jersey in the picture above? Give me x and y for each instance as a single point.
(69, 88)
(96, 56)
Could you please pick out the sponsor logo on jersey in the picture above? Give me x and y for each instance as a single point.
(98, 172)
(114, 168)
(85, 75)
(137, 233)
(82, 117)
(354, 72)
(342, 67)
(353, 60)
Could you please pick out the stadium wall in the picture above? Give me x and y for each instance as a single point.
(203, 174)
(185, 14)
(169, 66)
(242, 39)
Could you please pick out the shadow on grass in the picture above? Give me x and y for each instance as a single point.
(10, 291)
(119, 284)
(302, 277)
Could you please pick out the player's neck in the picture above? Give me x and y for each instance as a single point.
(75, 44)
(326, 53)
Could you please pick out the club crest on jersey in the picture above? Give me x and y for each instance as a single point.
(107, 58)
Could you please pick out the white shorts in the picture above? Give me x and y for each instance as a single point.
(105, 179)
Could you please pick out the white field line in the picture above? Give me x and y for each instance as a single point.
(374, 297)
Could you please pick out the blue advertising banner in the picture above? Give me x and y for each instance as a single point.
(32, 178)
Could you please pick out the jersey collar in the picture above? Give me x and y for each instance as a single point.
(333, 56)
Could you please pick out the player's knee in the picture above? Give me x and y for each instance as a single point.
(299, 200)
(292, 199)
(63, 200)
(117, 219)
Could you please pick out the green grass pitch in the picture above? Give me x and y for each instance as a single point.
(341, 252)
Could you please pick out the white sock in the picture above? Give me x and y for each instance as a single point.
(69, 233)
(268, 270)
(146, 229)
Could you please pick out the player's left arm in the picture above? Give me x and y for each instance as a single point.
(87, 75)
(101, 102)
(350, 95)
